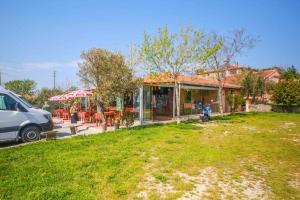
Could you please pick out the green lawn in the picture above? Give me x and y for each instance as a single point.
(246, 156)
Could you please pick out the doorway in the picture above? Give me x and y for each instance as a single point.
(162, 103)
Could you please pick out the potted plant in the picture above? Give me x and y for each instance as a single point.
(129, 119)
(117, 122)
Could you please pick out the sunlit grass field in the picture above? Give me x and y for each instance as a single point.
(242, 156)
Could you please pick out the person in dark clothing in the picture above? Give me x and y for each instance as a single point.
(74, 117)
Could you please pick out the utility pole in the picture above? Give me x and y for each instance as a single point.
(54, 76)
(0, 78)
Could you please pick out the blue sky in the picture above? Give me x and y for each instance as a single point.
(37, 37)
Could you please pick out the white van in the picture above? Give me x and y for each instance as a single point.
(19, 120)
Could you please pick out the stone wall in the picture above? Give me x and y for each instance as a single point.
(260, 108)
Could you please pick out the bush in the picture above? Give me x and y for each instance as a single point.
(129, 119)
(235, 100)
(287, 92)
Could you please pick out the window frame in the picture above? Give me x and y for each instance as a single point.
(8, 108)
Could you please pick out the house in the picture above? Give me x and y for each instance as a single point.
(233, 73)
(272, 74)
(156, 99)
(226, 71)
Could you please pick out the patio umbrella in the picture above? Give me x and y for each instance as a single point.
(79, 93)
(58, 98)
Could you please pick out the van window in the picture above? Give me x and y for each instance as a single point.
(7, 103)
(3, 105)
(21, 99)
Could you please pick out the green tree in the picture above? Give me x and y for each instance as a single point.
(25, 87)
(253, 84)
(44, 94)
(234, 101)
(21, 87)
(109, 74)
(228, 47)
(291, 73)
(260, 86)
(270, 85)
(287, 92)
(172, 55)
(71, 88)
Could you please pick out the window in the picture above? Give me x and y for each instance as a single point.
(7, 103)
(21, 99)
(3, 105)
(189, 96)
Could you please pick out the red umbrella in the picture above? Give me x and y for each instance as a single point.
(79, 93)
(58, 98)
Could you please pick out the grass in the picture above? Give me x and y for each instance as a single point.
(256, 152)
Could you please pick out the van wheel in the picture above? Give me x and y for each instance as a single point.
(30, 133)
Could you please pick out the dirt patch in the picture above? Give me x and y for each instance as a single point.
(207, 124)
(208, 182)
(155, 186)
(295, 182)
(202, 182)
(250, 128)
(288, 125)
(226, 133)
(248, 187)
(150, 184)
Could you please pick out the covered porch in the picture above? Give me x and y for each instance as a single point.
(158, 102)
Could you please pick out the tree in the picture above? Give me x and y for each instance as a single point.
(172, 55)
(44, 94)
(25, 87)
(108, 74)
(253, 84)
(269, 86)
(287, 92)
(71, 88)
(291, 73)
(222, 50)
(259, 86)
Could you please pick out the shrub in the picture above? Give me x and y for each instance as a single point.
(287, 92)
(129, 119)
(234, 100)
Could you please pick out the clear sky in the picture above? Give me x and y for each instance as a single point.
(37, 37)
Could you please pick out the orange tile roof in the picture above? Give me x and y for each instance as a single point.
(163, 78)
(269, 72)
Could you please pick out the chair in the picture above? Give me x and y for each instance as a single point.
(109, 118)
(66, 115)
(84, 117)
(97, 118)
